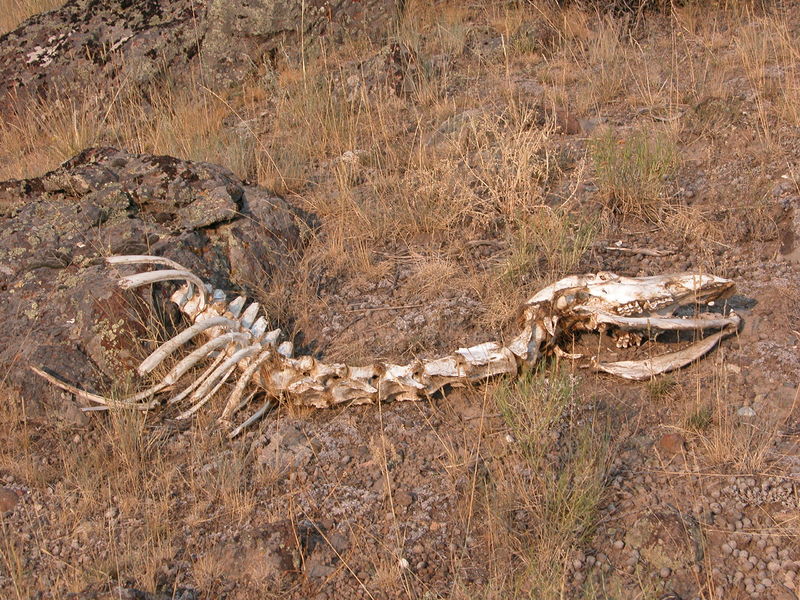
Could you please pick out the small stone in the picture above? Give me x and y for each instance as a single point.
(403, 499)
(665, 572)
(774, 566)
(8, 500)
(619, 545)
(670, 443)
(403, 563)
(746, 411)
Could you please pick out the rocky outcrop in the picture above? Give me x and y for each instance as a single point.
(106, 44)
(59, 304)
(101, 43)
(242, 34)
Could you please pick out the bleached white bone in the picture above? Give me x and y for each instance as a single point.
(244, 381)
(132, 401)
(140, 279)
(198, 381)
(167, 348)
(249, 315)
(197, 355)
(210, 394)
(572, 304)
(222, 372)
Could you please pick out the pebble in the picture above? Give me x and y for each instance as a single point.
(746, 411)
(665, 572)
(670, 443)
(8, 500)
(619, 545)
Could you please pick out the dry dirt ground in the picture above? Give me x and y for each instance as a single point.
(487, 153)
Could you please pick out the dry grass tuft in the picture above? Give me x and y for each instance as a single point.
(546, 506)
(728, 440)
(631, 171)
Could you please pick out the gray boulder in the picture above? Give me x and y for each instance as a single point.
(60, 307)
(100, 46)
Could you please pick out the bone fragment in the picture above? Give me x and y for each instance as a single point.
(640, 370)
(642, 251)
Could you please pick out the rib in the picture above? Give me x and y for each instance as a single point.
(244, 379)
(207, 397)
(143, 259)
(252, 419)
(126, 402)
(187, 363)
(140, 279)
(203, 376)
(168, 347)
(222, 371)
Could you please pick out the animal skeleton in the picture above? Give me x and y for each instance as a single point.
(238, 338)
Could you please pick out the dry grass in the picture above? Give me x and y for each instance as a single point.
(543, 507)
(16, 11)
(631, 171)
(725, 439)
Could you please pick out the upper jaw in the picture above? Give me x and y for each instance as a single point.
(701, 289)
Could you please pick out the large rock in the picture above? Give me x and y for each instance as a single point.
(244, 34)
(101, 45)
(98, 43)
(59, 304)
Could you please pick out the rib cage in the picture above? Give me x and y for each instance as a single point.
(236, 337)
